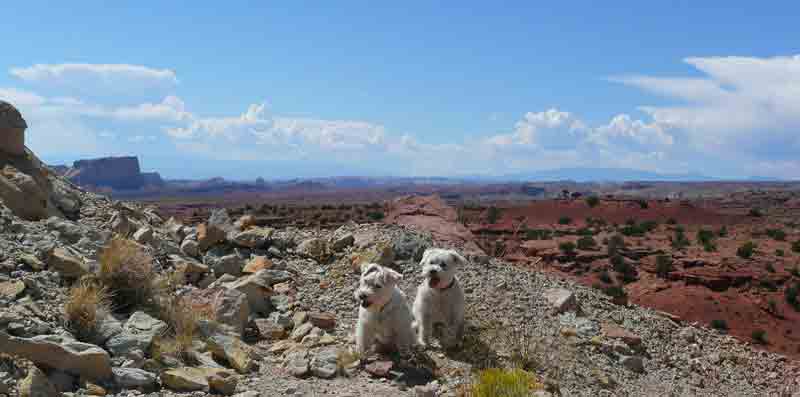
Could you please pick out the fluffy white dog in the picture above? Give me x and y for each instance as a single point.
(384, 315)
(440, 298)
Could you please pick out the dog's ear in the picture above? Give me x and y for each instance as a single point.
(426, 254)
(457, 258)
(390, 276)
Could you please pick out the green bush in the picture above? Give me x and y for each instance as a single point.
(679, 241)
(564, 220)
(539, 234)
(585, 231)
(755, 212)
(671, 221)
(796, 246)
(663, 265)
(586, 243)
(492, 214)
(617, 260)
(770, 268)
(723, 232)
(776, 234)
(779, 252)
(795, 271)
(567, 247)
(642, 204)
(605, 277)
(747, 250)
(592, 201)
(705, 236)
(615, 244)
(773, 306)
(759, 336)
(791, 295)
(615, 291)
(719, 324)
(374, 215)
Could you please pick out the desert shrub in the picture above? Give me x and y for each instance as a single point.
(773, 306)
(776, 234)
(85, 307)
(592, 201)
(780, 252)
(592, 221)
(567, 247)
(770, 268)
(795, 271)
(671, 221)
(759, 336)
(617, 260)
(791, 295)
(126, 271)
(539, 234)
(375, 215)
(615, 244)
(663, 265)
(719, 324)
(709, 247)
(723, 232)
(586, 243)
(621, 265)
(755, 212)
(182, 320)
(564, 220)
(492, 214)
(605, 277)
(585, 231)
(649, 226)
(705, 236)
(747, 250)
(796, 246)
(496, 382)
(679, 241)
(642, 203)
(615, 291)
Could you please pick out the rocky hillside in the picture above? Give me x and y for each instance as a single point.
(108, 298)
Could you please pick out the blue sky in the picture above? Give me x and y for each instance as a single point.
(243, 89)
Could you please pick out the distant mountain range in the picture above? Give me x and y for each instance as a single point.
(609, 175)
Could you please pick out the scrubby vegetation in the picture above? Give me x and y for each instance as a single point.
(705, 238)
(586, 243)
(85, 307)
(755, 212)
(776, 234)
(615, 244)
(539, 234)
(796, 246)
(492, 214)
(567, 248)
(679, 241)
(663, 265)
(564, 220)
(126, 271)
(496, 382)
(759, 336)
(746, 250)
(791, 295)
(592, 201)
(721, 325)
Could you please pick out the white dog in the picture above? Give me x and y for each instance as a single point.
(440, 298)
(384, 316)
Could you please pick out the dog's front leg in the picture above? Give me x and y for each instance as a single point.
(365, 337)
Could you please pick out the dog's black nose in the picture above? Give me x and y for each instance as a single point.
(362, 296)
(434, 271)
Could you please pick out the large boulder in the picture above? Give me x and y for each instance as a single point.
(137, 334)
(68, 265)
(134, 378)
(80, 359)
(253, 238)
(12, 130)
(258, 288)
(232, 350)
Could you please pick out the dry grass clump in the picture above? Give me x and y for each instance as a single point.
(126, 269)
(182, 320)
(345, 359)
(498, 382)
(86, 305)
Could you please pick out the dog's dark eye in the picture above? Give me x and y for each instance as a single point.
(443, 265)
(378, 286)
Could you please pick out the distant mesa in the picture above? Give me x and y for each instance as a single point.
(117, 173)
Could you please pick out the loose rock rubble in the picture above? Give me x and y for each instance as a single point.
(278, 314)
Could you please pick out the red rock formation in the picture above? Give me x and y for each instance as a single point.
(430, 213)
